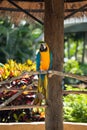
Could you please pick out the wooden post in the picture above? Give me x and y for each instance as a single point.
(54, 36)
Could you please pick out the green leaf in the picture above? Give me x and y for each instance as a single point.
(36, 33)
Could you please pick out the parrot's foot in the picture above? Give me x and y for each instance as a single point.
(38, 99)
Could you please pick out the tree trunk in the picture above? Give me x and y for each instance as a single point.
(54, 36)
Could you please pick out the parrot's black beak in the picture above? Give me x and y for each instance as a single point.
(43, 47)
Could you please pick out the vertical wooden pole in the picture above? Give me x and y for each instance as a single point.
(54, 36)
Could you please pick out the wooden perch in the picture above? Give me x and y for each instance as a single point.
(22, 107)
(74, 92)
(58, 73)
(14, 96)
(82, 78)
(50, 72)
(5, 88)
(16, 89)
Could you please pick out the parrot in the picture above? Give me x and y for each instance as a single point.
(43, 63)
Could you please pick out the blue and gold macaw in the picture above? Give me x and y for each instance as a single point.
(43, 63)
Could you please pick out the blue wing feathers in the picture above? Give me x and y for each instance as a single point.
(38, 61)
(38, 65)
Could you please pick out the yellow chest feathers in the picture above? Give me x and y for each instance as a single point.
(44, 60)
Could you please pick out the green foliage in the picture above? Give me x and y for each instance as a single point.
(75, 107)
(18, 43)
(74, 46)
(72, 66)
(83, 67)
(36, 32)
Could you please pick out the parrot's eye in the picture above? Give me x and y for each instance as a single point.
(43, 47)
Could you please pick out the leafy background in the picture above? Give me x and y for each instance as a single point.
(18, 43)
(18, 47)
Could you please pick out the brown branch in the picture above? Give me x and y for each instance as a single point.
(82, 78)
(22, 107)
(74, 92)
(14, 96)
(62, 74)
(51, 72)
(16, 89)
(3, 88)
(78, 85)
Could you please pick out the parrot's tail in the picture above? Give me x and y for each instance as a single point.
(42, 85)
(42, 89)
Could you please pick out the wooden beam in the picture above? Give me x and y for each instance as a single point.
(26, 0)
(22, 107)
(18, 10)
(73, 92)
(71, 10)
(29, 0)
(54, 36)
(26, 12)
(73, 1)
(74, 12)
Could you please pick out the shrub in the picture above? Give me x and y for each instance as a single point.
(75, 107)
(72, 66)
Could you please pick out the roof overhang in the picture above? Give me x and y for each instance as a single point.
(75, 27)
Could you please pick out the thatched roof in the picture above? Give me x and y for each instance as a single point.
(35, 9)
(16, 14)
